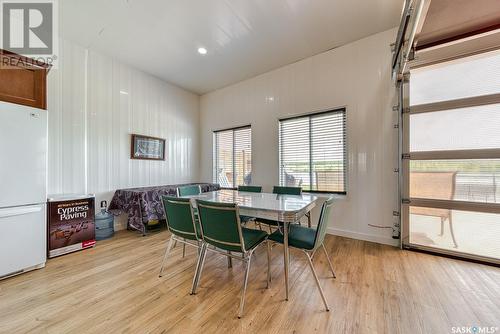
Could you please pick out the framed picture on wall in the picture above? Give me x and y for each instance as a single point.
(147, 148)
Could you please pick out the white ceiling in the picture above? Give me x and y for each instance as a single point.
(244, 38)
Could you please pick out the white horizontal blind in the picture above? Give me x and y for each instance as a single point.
(232, 157)
(242, 156)
(313, 152)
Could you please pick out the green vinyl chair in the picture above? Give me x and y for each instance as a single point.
(221, 228)
(309, 241)
(194, 190)
(280, 190)
(182, 225)
(249, 189)
(287, 190)
(189, 190)
(292, 191)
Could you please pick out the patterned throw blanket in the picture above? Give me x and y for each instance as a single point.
(143, 205)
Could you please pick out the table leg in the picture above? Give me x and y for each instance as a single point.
(286, 256)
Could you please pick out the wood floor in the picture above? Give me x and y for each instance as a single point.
(114, 288)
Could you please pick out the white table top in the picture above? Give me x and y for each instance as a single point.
(288, 208)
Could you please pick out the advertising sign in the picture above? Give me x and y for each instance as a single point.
(71, 225)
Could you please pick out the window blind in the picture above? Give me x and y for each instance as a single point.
(232, 157)
(313, 152)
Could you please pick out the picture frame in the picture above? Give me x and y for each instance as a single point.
(147, 148)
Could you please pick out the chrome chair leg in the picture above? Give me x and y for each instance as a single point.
(199, 268)
(313, 253)
(317, 281)
(165, 257)
(245, 283)
(175, 244)
(229, 261)
(328, 259)
(268, 264)
(286, 257)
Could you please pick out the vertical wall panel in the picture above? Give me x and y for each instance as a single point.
(66, 113)
(94, 119)
(100, 125)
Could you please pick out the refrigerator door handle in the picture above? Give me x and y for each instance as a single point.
(19, 211)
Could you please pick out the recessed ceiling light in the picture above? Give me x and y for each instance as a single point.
(202, 51)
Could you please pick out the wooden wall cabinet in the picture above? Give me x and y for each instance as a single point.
(22, 80)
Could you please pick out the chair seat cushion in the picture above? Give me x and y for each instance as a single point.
(252, 238)
(298, 237)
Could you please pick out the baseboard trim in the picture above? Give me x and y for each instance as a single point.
(22, 271)
(363, 236)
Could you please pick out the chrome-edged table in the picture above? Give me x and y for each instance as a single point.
(287, 209)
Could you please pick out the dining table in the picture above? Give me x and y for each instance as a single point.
(286, 209)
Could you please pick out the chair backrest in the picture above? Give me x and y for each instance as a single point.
(439, 185)
(251, 189)
(188, 190)
(287, 190)
(179, 216)
(220, 225)
(324, 218)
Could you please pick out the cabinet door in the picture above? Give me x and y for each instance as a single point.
(21, 82)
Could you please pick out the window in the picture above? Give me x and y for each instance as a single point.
(232, 157)
(312, 152)
(453, 173)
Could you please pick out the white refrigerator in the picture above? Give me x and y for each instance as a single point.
(23, 188)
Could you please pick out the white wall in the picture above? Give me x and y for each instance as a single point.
(357, 76)
(90, 123)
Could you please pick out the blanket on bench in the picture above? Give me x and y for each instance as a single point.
(143, 205)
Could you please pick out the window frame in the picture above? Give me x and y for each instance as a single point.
(215, 152)
(310, 115)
